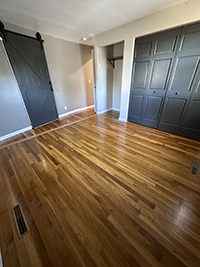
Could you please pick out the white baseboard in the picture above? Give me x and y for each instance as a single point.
(60, 116)
(122, 119)
(103, 111)
(75, 110)
(15, 133)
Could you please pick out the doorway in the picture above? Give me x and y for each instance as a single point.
(110, 67)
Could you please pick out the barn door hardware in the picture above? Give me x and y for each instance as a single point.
(3, 35)
(39, 38)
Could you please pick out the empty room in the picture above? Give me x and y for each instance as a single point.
(100, 133)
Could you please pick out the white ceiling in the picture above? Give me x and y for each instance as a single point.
(74, 19)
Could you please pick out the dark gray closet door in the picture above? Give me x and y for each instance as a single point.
(182, 80)
(191, 122)
(190, 126)
(162, 58)
(140, 77)
(150, 76)
(29, 65)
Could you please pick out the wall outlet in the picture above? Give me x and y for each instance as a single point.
(89, 81)
(65, 107)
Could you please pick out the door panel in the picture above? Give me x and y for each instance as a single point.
(190, 40)
(140, 74)
(192, 118)
(191, 123)
(182, 81)
(184, 73)
(136, 107)
(143, 49)
(31, 71)
(152, 107)
(174, 110)
(164, 45)
(160, 73)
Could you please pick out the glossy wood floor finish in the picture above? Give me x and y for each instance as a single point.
(99, 192)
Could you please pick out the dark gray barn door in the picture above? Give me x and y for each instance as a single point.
(182, 80)
(30, 68)
(154, 56)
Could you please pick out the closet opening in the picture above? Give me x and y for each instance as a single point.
(110, 67)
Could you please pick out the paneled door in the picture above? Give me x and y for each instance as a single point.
(140, 78)
(153, 61)
(29, 64)
(178, 115)
(190, 125)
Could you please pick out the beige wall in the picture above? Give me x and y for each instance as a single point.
(178, 15)
(70, 67)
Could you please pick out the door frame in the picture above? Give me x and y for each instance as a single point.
(94, 80)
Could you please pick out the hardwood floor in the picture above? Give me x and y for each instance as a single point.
(96, 191)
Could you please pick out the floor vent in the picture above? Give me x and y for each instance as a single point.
(20, 221)
(194, 168)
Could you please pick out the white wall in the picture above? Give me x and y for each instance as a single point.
(117, 76)
(87, 69)
(109, 85)
(117, 82)
(118, 49)
(175, 16)
(101, 68)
